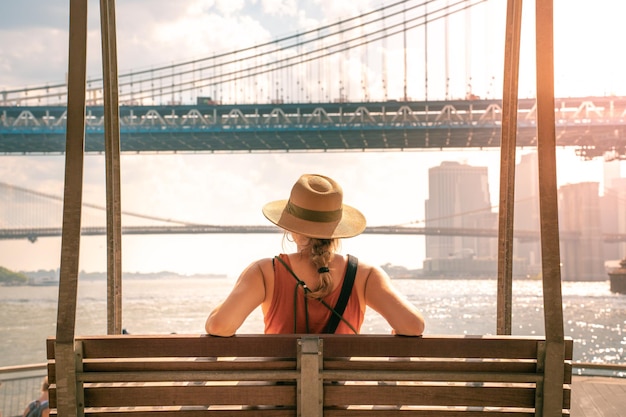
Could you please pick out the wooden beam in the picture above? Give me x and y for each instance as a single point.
(112, 162)
(72, 210)
(507, 166)
(548, 210)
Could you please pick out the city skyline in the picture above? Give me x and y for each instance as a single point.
(214, 189)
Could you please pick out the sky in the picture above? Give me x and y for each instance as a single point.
(34, 36)
(389, 187)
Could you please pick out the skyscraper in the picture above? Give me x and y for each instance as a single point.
(526, 209)
(579, 212)
(614, 217)
(458, 197)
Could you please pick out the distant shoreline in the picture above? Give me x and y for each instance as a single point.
(149, 275)
(45, 278)
(51, 277)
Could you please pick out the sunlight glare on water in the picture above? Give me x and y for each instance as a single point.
(593, 316)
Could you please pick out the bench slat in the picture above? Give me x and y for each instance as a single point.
(439, 395)
(468, 377)
(180, 369)
(510, 370)
(189, 412)
(191, 395)
(175, 376)
(517, 347)
(513, 366)
(188, 365)
(201, 346)
(428, 412)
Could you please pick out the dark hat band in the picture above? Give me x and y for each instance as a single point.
(313, 215)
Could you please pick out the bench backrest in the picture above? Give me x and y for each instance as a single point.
(310, 375)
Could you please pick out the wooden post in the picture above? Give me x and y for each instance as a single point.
(72, 210)
(507, 166)
(548, 211)
(112, 161)
(310, 390)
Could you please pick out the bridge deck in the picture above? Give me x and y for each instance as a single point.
(593, 124)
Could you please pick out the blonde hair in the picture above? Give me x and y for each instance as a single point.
(322, 252)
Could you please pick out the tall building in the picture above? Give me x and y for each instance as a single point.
(526, 209)
(614, 217)
(458, 197)
(611, 170)
(613, 207)
(579, 212)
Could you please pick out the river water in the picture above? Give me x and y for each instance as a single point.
(593, 316)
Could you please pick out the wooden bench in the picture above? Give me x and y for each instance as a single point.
(309, 375)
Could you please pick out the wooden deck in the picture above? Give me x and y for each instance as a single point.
(594, 396)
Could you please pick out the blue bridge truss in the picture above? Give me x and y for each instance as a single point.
(596, 126)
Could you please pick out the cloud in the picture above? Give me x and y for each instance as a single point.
(280, 7)
(34, 33)
(229, 7)
(334, 10)
(29, 14)
(37, 58)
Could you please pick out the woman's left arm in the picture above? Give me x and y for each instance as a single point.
(247, 294)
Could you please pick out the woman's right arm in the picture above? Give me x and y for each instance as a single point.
(247, 294)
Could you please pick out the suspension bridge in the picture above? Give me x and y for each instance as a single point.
(387, 79)
(30, 214)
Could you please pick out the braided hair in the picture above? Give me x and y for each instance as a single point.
(322, 252)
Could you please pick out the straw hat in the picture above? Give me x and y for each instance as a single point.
(315, 209)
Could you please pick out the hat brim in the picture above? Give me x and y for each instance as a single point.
(352, 222)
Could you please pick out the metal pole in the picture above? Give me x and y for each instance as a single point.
(548, 211)
(66, 388)
(112, 162)
(507, 165)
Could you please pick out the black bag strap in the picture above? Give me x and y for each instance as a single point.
(346, 290)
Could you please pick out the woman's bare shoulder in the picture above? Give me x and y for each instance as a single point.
(260, 265)
(367, 267)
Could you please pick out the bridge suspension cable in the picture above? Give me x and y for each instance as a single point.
(27, 191)
(53, 197)
(293, 52)
(33, 232)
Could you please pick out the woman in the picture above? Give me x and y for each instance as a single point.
(39, 407)
(301, 292)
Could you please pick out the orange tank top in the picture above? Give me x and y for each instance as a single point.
(281, 314)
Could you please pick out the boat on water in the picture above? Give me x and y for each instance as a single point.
(617, 278)
(43, 278)
(44, 281)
